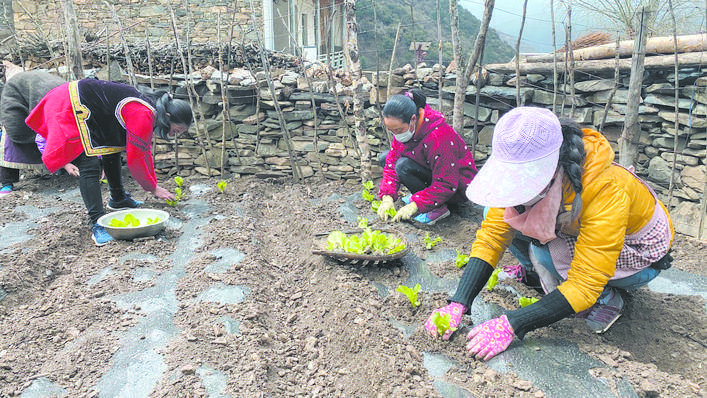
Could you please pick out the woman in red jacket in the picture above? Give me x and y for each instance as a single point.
(427, 156)
(90, 122)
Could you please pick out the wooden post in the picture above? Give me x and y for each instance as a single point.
(73, 52)
(671, 185)
(628, 148)
(475, 131)
(126, 50)
(613, 89)
(520, 35)
(351, 54)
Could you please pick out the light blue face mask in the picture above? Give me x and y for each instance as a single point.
(404, 137)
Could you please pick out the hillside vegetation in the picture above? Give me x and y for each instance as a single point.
(379, 37)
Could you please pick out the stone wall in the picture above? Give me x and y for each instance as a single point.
(95, 18)
(255, 144)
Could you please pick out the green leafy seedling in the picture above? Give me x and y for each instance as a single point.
(375, 204)
(526, 301)
(368, 185)
(179, 181)
(411, 294)
(366, 192)
(391, 212)
(151, 220)
(362, 222)
(442, 323)
(431, 243)
(493, 280)
(461, 259)
(178, 195)
(221, 185)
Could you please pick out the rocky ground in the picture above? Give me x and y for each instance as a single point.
(307, 326)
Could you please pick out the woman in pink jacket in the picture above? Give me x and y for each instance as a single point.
(427, 156)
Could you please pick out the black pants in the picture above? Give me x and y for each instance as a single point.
(412, 175)
(90, 181)
(9, 176)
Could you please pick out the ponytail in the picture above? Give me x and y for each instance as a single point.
(168, 111)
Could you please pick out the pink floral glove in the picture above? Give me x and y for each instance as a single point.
(455, 312)
(490, 338)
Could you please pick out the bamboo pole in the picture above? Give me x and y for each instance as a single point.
(475, 131)
(225, 115)
(190, 92)
(628, 151)
(308, 79)
(296, 172)
(190, 85)
(228, 103)
(571, 73)
(332, 85)
(126, 50)
(671, 185)
(38, 26)
(520, 35)
(554, 57)
(149, 56)
(703, 206)
(613, 89)
(439, 58)
(392, 59)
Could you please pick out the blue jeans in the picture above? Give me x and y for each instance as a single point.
(522, 245)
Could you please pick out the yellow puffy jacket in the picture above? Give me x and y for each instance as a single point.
(614, 204)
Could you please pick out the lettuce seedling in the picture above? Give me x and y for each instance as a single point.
(461, 259)
(411, 294)
(221, 186)
(526, 301)
(366, 193)
(362, 222)
(493, 280)
(130, 221)
(431, 243)
(441, 321)
(336, 240)
(179, 181)
(391, 212)
(368, 185)
(375, 204)
(178, 195)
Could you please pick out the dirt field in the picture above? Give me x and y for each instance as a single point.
(308, 326)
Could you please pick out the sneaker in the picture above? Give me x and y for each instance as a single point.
(406, 199)
(431, 217)
(99, 235)
(600, 317)
(6, 189)
(126, 203)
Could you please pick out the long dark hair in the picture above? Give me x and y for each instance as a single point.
(571, 160)
(168, 111)
(404, 106)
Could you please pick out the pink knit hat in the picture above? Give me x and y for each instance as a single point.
(525, 150)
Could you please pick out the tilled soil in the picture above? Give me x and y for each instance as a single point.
(309, 326)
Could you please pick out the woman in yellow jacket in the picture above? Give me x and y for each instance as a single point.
(585, 226)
